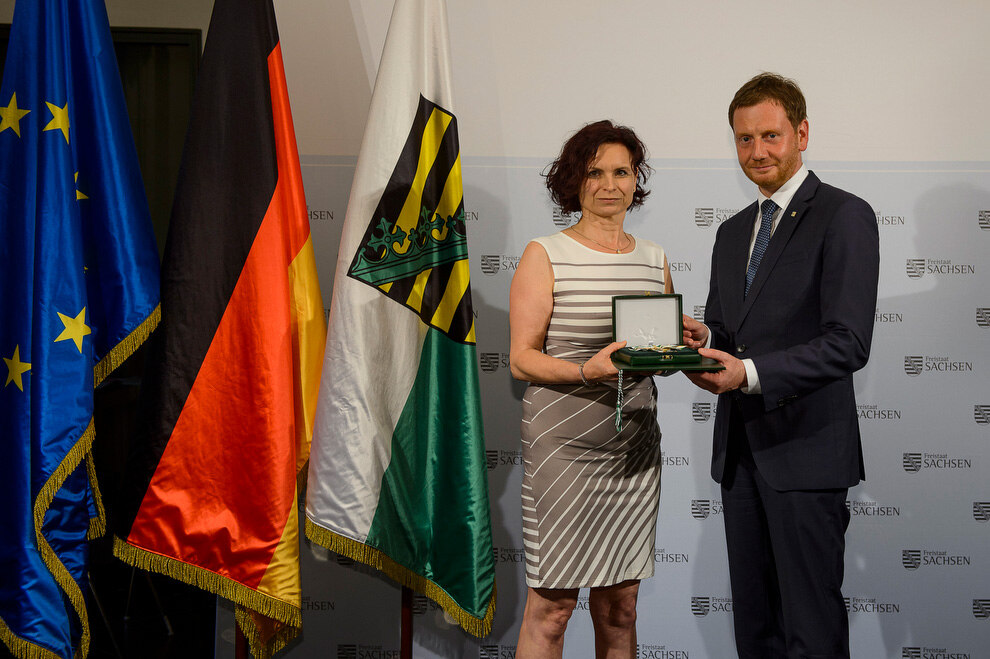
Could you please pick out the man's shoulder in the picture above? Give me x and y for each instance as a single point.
(744, 214)
(818, 189)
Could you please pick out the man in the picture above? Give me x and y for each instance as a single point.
(790, 316)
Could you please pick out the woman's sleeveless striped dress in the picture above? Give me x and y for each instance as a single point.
(590, 494)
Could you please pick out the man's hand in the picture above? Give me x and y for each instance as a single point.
(718, 382)
(695, 334)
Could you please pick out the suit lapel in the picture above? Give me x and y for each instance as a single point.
(792, 215)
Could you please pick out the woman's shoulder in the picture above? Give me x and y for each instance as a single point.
(558, 238)
(556, 244)
(649, 249)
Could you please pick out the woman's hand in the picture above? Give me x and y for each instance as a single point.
(600, 367)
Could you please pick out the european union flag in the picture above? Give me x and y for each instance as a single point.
(78, 293)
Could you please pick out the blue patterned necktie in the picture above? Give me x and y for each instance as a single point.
(762, 240)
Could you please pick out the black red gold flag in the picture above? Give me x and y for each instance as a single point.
(229, 398)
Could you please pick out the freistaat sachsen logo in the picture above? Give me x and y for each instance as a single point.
(700, 606)
(490, 263)
(913, 364)
(911, 462)
(310, 604)
(561, 219)
(415, 247)
(704, 217)
(871, 605)
(915, 268)
(884, 220)
(981, 414)
(490, 361)
(981, 609)
(911, 558)
(914, 462)
(701, 412)
(937, 267)
(937, 559)
(983, 220)
(983, 317)
(981, 511)
(871, 509)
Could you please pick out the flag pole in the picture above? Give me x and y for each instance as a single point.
(405, 624)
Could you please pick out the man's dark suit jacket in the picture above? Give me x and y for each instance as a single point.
(807, 324)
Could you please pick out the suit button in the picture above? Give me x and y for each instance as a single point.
(741, 348)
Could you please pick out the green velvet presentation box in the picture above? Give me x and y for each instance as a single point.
(652, 327)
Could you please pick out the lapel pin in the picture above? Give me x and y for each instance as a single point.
(793, 213)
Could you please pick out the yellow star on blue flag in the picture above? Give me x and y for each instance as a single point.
(75, 328)
(60, 119)
(16, 369)
(79, 293)
(10, 116)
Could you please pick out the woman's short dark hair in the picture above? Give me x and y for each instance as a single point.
(565, 175)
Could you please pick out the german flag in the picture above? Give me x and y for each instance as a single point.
(230, 391)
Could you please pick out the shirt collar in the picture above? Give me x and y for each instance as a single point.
(782, 197)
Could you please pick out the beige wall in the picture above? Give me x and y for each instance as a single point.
(886, 80)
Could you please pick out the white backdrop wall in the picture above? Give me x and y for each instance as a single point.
(897, 93)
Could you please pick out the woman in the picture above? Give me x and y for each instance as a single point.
(589, 494)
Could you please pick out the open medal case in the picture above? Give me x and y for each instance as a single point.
(653, 330)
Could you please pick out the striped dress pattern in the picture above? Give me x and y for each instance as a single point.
(590, 494)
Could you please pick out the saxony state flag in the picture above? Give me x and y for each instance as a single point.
(397, 474)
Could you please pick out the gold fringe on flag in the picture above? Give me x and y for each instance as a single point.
(98, 524)
(58, 570)
(126, 347)
(257, 643)
(81, 450)
(377, 559)
(21, 648)
(241, 595)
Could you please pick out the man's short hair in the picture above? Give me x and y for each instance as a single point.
(776, 89)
